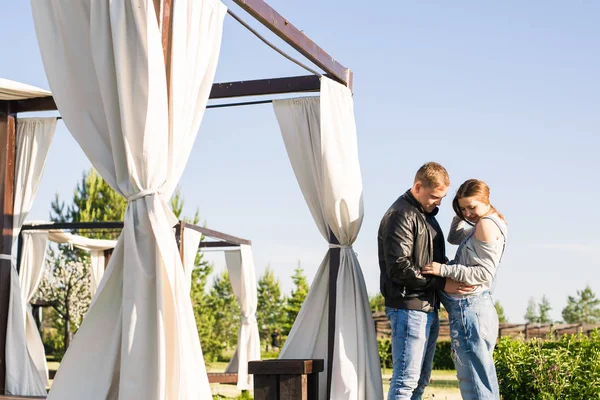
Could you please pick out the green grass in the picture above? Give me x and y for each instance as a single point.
(443, 385)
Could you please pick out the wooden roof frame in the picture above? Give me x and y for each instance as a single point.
(223, 240)
(264, 14)
(277, 24)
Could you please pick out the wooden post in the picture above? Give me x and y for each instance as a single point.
(7, 181)
(286, 379)
(107, 255)
(334, 267)
(180, 240)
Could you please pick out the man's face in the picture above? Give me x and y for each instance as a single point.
(429, 197)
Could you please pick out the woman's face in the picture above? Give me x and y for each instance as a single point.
(472, 208)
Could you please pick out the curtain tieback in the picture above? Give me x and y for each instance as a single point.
(5, 257)
(143, 193)
(249, 320)
(339, 246)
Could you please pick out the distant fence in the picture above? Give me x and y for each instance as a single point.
(527, 331)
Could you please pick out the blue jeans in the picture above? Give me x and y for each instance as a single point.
(414, 334)
(473, 331)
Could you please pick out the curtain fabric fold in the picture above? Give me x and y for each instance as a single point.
(320, 139)
(106, 68)
(26, 370)
(240, 264)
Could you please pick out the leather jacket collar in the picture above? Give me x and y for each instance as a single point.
(408, 196)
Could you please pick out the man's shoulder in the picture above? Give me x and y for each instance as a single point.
(403, 207)
(401, 212)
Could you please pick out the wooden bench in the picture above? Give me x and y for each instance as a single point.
(223, 377)
(286, 379)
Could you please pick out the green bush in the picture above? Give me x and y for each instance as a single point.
(54, 344)
(568, 368)
(441, 360)
(443, 355)
(385, 353)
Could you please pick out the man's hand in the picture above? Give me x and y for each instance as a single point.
(433, 268)
(453, 287)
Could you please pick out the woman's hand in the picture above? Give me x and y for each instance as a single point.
(433, 268)
(453, 287)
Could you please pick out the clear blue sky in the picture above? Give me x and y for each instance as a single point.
(508, 92)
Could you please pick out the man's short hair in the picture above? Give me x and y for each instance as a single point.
(432, 175)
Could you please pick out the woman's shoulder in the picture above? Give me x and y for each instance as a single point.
(488, 230)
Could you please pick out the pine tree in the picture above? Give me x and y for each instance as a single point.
(203, 313)
(270, 310)
(500, 312)
(226, 312)
(531, 315)
(295, 301)
(544, 311)
(93, 201)
(583, 309)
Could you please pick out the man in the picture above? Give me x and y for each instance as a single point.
(409, 238)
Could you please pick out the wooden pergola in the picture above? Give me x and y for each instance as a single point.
(257, 9)
(216, 240)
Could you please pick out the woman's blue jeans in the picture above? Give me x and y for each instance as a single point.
(473, 331)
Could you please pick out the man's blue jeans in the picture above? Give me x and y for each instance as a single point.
(414, 334)
(473, 331)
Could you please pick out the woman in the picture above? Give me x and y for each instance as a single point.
(481, 232)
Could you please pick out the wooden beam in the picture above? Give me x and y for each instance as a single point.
(261, 87)
(216, 245)
(258, 87)
(7, 181)
(270, 18)
(36, 104)
(211, 233)
(218, 235)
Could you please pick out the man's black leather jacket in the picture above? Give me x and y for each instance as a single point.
(405, 245)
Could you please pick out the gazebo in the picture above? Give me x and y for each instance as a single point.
(139, 339)
(32, 243)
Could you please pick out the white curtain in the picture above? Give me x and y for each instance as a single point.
(26, 371)
(96, 249)
(320, 138)
(191, 241)
(105, 65)
(97, 261)
(240, 265)
(26, 368)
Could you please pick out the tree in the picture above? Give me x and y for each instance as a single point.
(226, 311)
(270, 312)
(295, 301)
(66, 282)
(544, 311)
(531, 315)
(500, 311)
(93, 201)
(583, 309)
(377, 302)
(203, 313)
(66, 287)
